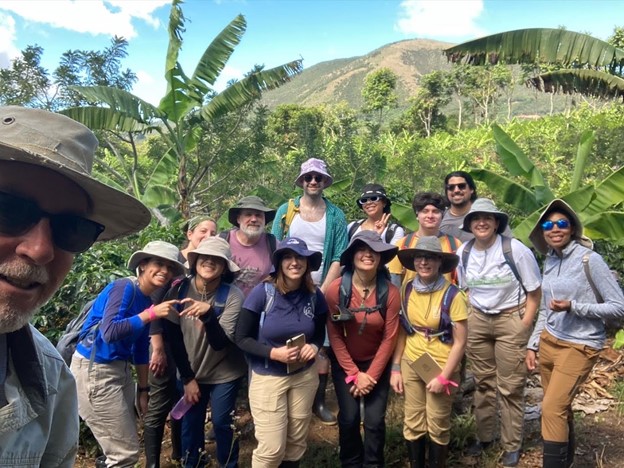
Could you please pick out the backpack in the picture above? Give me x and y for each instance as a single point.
(507, 254)
(270, 238)
(445, 329)
(287, 218)
(407, 244)
(73, 333)
(381, 298)
(392, 227)
(218, 305)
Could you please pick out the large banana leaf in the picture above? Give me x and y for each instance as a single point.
(582, 156)
(609, 192)
(596, 83)
(157, 196)
(405, 215)
(518, 164)
(538, 45)
(249, 88)
(509, 191)
(179, 99)
(175, 30)
(609, 225)
(121, 101)
(217, 54)
(104, 118)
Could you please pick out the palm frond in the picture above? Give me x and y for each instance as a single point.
(594, 83)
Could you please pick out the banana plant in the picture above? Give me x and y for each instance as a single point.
(189, 103)
(586, 65)
(596, 204)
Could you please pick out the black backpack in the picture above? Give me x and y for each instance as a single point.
(392, 227)
(346, 289)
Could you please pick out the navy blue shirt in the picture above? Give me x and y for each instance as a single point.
(291, 315)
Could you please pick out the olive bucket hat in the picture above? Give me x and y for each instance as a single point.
(62, 145)
(428, 245)
(158, 249)
(252, 202)
(485, 206)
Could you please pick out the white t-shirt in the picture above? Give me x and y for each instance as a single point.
(492, 286)
(399, 233)
(314, 236)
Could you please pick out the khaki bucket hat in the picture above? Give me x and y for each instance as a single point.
(487, 206)
(159, 249)
(58, 143)
(428, 245)
(215, 247)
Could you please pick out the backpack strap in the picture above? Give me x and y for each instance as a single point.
(408, 240)
(225, 235)
(466, 253)
(289, 216)
(271, 242)
(590, 280)
(221, 298)
(269, 291)
(390, 231)
(508, 254)
(354, 227)
(452, 241)
(406, 290)
(446, 324)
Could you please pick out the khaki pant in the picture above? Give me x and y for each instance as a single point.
(281, 407)
(564, 366)
(426, 412)
(106, 403)
(496, 351)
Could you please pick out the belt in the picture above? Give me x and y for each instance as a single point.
(508, 311)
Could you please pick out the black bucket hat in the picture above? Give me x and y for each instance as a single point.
(374, 190)
(372, 240)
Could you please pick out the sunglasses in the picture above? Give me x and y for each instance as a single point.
(561, 224)
(374, 199)
(71, 233)
(316, 177)
(451, 187)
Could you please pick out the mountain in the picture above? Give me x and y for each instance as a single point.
(342, 79)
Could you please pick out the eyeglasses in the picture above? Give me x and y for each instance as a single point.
(375, 199)
(316, 177)
(561, 224)
(71, 233)
(461, 186)
(425, 258)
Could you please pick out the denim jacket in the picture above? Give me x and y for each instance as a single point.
(39, 425)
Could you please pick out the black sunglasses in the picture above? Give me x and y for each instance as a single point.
(71, 233)
(317, 178)
(373, 199)
(561, 224)
(461, 186)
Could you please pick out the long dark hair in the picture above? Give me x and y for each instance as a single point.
(277, 278)
(350, 267)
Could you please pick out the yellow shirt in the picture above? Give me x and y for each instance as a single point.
(423, 310)
(448, 243)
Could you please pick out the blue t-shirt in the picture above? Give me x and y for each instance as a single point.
(122, 335)
(291, 315)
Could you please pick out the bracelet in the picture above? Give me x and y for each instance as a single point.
(152, 315)
(396, 367)
(444, 381)
(143, 389)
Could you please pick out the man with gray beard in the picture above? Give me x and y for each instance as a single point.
(50, 209)
(251, 246)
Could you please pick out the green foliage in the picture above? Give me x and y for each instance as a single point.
(379, 92)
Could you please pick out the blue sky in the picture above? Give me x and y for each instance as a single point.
(278, 31)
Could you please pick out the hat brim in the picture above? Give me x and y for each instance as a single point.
(386, 251)
(119, 213)
(138, 257)
(193, 255)
(537, 234)
(449, 260)
(269, 214)
(315, 259)
(503, 220)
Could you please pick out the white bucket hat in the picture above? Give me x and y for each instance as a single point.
(215, 247)
(158, 249)
(58, 143)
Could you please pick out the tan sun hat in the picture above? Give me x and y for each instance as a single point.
(428, 245)
(215, 247)
(159, 249)
(58, 143)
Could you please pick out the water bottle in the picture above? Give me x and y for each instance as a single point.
(180, 408)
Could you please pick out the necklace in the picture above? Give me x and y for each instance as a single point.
(365, 287)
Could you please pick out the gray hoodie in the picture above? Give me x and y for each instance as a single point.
(564, 278)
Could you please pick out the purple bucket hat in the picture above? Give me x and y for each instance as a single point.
(314, 165)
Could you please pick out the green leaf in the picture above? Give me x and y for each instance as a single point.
(158, 195)
(609, 192)
(596, 83)
(508, 190)
(175, 30)
(104, 118)
(609, 226)
(619, 340)
(582, 155)
(405, 215)
(121, 101)
(177, 102)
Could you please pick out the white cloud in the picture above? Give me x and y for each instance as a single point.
(108, 17)
(228, 73)
(8, 50)
(440, 18)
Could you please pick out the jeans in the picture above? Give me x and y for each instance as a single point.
(222, 399)
(353, 451)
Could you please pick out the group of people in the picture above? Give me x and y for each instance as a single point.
(365, 303)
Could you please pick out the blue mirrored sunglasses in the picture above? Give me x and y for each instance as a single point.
(561, 224)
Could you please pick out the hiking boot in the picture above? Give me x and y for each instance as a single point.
(477, 447)
(510, 459)
(319, 408)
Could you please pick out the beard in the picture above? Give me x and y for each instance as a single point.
(14, 315)
(253, 232)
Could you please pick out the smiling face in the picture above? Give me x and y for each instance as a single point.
(209, 268)
(427, 267)
(558, 238)
(313, 184)
(374, 209)
(429, 219)
(31, 267)
(156, 272)
(458, 192)
(293, 267)
(365, 259)
(202, 230)
(251, 222)
(484, 226)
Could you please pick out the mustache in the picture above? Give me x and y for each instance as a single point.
(24, 272)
